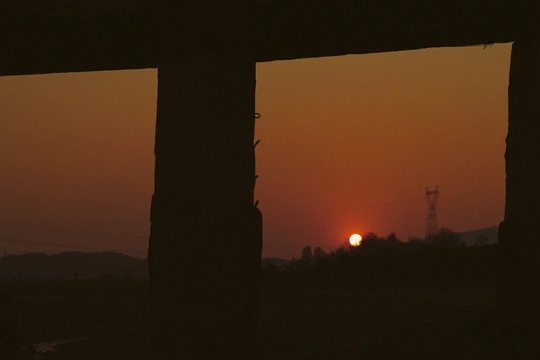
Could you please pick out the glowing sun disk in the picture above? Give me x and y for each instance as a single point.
(355, 239)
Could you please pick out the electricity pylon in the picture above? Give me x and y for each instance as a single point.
(432, 226)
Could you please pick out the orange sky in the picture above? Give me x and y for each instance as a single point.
(338, 135)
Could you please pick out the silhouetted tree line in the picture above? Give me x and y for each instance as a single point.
(440, 260)
(72, 265)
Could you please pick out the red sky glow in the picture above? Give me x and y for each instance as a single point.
(348, 145)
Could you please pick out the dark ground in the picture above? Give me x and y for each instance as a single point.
(407, 323)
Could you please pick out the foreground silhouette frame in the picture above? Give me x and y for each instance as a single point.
(204, 292)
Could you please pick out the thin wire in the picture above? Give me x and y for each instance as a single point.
(140, 237)
(70, 231)
(71, 246)
(289, 246)
(348, 208)
(270, 214)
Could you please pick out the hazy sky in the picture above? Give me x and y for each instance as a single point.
(348, 144)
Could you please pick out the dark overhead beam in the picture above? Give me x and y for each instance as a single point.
(49, 36)
(307, 28)
(67, 36)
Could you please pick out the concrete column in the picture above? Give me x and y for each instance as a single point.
(519, 233)
(206, 234)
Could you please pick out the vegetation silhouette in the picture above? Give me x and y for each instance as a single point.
(440, 260)
(309, 307)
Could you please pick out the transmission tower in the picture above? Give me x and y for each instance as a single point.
(432, 227)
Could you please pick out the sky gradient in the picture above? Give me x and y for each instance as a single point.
(348, 144)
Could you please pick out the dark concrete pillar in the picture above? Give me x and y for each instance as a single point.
(206, 234)
(519, 233)
(205, 241)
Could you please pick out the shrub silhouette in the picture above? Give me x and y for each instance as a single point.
(387, 262)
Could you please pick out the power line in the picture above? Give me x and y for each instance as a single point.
(269, 214)
(107, 235)
(86, 247)
(70, 231)
(70, 246)
(347, 208)
(145, 238)
(295, 246)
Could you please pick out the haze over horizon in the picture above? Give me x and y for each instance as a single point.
(348, 144)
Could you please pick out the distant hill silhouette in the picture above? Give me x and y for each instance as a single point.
(83, 265)
(69, 265)
(281, 264)
(471, 238)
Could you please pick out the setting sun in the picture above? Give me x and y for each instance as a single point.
(355, 239)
